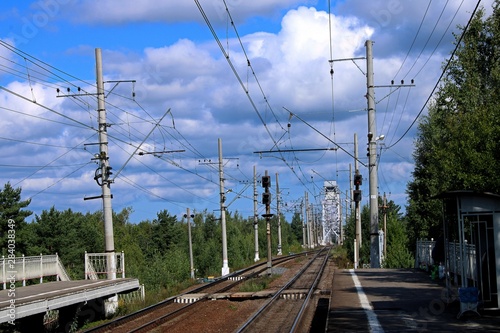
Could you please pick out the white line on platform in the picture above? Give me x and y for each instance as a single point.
(372, 317)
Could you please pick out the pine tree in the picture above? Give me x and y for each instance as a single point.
(12, 208)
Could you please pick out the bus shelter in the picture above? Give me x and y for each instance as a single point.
(471, 247)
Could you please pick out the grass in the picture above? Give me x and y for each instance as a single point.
(257, 284)
(340, 258)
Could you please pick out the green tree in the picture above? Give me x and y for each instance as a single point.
(167, 231)
(12, 208)
(350, 236)
(297, 226)
(398, 253)
(458, 143)
(69, 234)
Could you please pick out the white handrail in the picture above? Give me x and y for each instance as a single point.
(32, 267)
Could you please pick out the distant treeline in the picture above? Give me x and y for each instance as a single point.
(156, 252)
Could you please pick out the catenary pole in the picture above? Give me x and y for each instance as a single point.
(105, 169)
(278, 213)
(255, 214)
(356, 207)
(303, 218)
(191, 263)
(372, 158)
(308, 227)
(110, 304)
(384, 207)
(225, 262)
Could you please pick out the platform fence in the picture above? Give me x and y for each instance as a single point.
(97, 265)
(32, 267)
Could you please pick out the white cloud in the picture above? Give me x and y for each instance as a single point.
(207, 102)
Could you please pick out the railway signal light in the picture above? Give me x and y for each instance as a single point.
(358, 179)
(356, 195)
(266, 198)
(266, 181)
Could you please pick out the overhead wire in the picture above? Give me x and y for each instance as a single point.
(59, 180)
(414, 39)
(425, 63)
(268, 106)
(428, 39)
(332, 85)
(54, 160)
(29, 77)
(440, 40)
(249, 63)
(445, 69)
(249, 97)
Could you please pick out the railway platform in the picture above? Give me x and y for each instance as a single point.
(26, 306)
(397, 300)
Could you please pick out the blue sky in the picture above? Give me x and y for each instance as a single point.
(169, 50)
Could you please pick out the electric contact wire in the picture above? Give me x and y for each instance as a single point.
(414, 39)
(145, 190)
(178, 186)
(113, 137)
(209, 24)
(249, 64)
(17, 166)
(433, 51)
(428, 39)
(36, 62)
(58, 181)
(109, 105)
(324, 136)
(441, 76)
(40, 81)
(46, 108)
(38, 117)
(56, 159)
(332, 86)
(21, 75)
(440, 40)
(21, 53)
(37, 143)
(163, 159)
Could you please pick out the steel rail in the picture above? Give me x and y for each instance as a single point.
(145, 311)
(266, 305)
(299, 316)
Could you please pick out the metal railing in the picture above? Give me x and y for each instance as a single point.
(134, 296)
(96, 265)
(461, 260)
(457, 255)
(423, 253)
(33, 267)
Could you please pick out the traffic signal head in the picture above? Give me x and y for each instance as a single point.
(266, 198)
(266, 181)
(356, 195)
(358, 179)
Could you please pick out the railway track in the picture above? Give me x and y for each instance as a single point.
(284, 311)
(172, 309)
